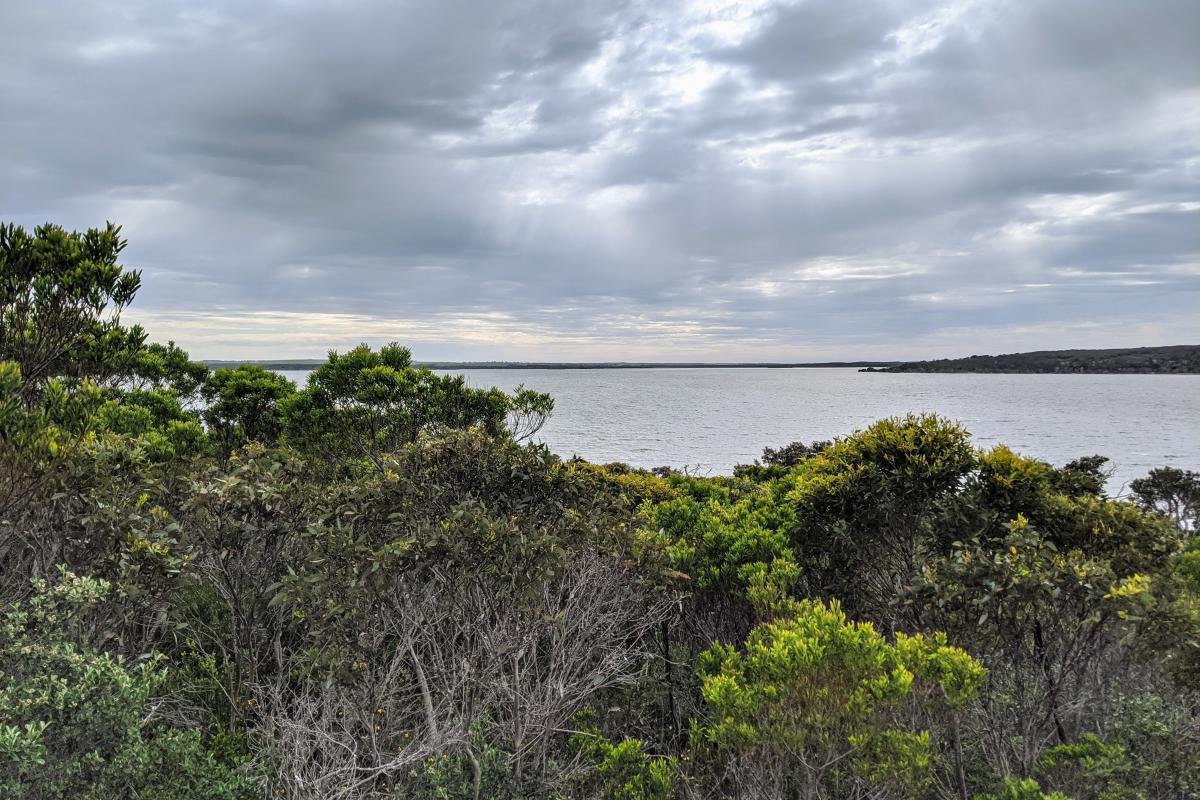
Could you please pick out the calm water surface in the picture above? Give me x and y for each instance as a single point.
(712, 419)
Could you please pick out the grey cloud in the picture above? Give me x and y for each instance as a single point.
(852, 176)
(813, 40)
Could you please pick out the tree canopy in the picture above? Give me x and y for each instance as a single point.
(378, 585)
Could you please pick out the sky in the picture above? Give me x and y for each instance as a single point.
(675, 180)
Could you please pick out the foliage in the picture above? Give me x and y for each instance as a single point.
(1021, 789)
(527, 411)
(60, 300)
(793, 454)
(625, 771)
(361, 405)
(720, 545)
(1083, 476)
(36, 436)
(777, 461)
(814, 699)
(1172, 492)
(1048, 619)
(244, 405)
(1172, 632)
(78, 723)
(1090, 769)
(155, 416)
(158, 366)
(864, 506)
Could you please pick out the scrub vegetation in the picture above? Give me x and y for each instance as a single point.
(217, 584)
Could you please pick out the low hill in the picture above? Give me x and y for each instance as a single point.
(1177, 359)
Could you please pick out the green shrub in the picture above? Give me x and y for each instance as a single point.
(78, 723)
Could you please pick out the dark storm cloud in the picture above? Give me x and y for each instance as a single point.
(640, 179)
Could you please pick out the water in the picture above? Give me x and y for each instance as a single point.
(708, 420)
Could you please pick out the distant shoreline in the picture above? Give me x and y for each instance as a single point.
(1181, 359)
(1172, 360)
(313, 363)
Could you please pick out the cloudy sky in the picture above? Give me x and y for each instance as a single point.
(659, 180)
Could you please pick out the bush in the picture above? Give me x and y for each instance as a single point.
(80, 723)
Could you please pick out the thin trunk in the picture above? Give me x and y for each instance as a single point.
(476, 774)
(423, 685)
(1051, 683)
(671, 713)
(959, 773)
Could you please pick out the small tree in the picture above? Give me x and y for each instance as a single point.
(864, 508)
(792, 454)
(1049, 620)
(528, 411)
(1174, 493)
(159, 366)
(61, 295)
(244, 405)
(815, 701)
(364, 404)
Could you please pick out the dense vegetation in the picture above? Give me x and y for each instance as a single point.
(1178, 359)
(221, 585)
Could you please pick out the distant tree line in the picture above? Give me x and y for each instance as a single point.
(1177, 359)
(217, 584)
